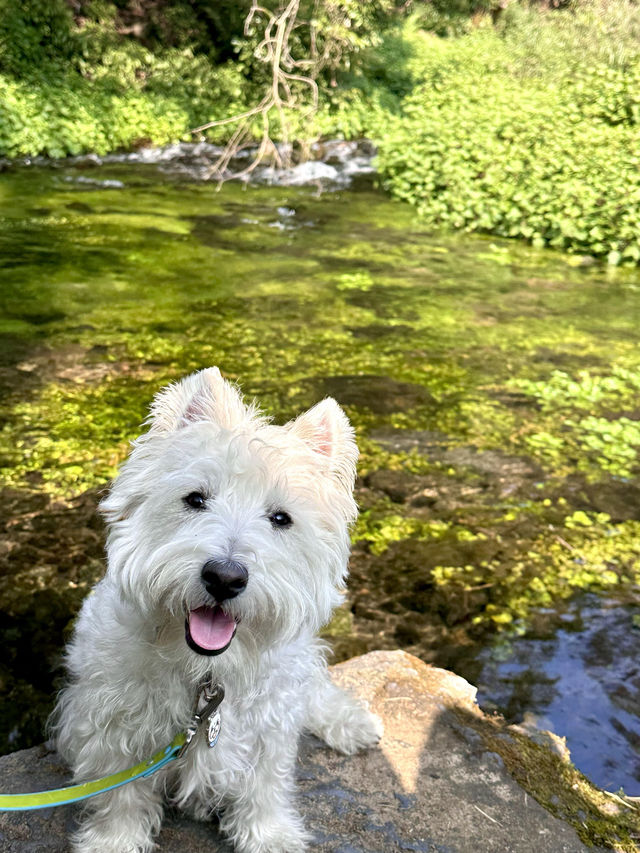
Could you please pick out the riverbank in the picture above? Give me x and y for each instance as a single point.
(333, 164)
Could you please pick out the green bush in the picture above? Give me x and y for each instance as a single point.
(490, 142)
(36, 36)
(76, 115)
(67, 90)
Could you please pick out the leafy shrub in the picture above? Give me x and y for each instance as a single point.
(35, 36)
(68, 90)
(60, 119)
(90, 85)
(552, 44)
(489, 143)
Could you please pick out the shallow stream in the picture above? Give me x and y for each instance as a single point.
(494, 389)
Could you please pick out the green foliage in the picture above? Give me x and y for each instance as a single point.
(89, 441)
(59, 122)
(124, 74)
(379, 528)
(355, 281)
(524, 137)
(68, 89)
(450, 18)
(204, 26)
(559, 44)
(388, 65)
(118, 96)
(589, 411)
(35, 36)
(620, 387)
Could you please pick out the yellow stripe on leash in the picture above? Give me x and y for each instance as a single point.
(64, 796)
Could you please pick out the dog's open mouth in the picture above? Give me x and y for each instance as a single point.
(209, 630)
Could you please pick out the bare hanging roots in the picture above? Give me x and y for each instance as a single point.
(292, 87)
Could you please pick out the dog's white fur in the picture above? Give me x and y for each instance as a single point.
(133, 676)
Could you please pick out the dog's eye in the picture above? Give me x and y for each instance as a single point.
(280, 519)
(196, 500)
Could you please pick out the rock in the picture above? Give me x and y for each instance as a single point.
(398, 485)
(530, 727)
(94, 182)
(186, 151)
(341, 152)
(304, 173)
(335, 165)
(618, 498)
(432, 785)
(379, 394)
(507, 474)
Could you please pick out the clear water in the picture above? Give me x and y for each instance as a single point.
(577, 674)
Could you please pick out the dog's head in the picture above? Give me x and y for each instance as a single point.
(225, 520)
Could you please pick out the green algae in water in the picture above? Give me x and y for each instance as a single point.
(110, 291)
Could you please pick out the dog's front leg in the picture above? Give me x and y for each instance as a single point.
(339, 719)
(121, 821)
(261, 816)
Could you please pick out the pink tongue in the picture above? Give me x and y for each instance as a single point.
(211, 628)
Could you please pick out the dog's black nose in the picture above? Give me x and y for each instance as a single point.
(224, 579)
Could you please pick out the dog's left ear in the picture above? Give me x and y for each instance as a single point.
(202, 396)
(326, 430)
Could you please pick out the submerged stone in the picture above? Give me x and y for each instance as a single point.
(379, 394)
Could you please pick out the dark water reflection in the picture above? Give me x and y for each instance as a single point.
(577, 674)
(115, 281)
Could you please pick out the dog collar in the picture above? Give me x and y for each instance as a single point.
(212, 696)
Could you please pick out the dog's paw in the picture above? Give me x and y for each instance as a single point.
(120, 832)
(370, 734)
(90, 839)
(276, 839)
(282, 834)
(360, 730)
(341, 720)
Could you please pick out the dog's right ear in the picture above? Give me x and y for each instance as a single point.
(202, 396)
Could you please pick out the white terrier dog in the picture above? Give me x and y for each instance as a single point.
(228, 544)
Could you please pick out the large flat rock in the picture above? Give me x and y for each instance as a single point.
(432, 785)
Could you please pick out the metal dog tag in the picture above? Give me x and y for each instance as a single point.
(213, 729)
(212, 696)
